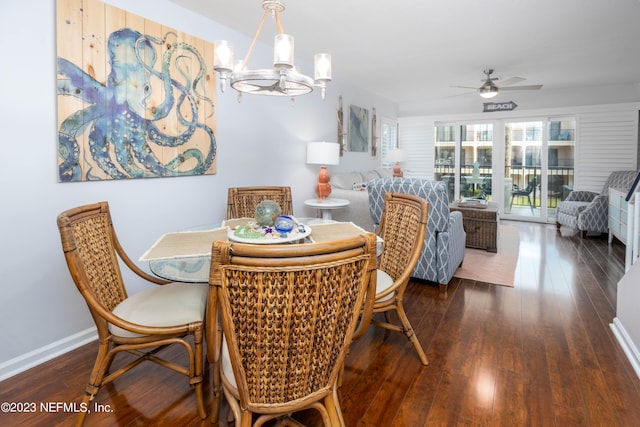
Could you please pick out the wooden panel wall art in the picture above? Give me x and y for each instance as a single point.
(135, 98)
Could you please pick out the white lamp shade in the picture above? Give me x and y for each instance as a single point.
(323, 153)
(397, 155)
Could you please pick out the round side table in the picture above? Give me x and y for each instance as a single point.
(326, 205)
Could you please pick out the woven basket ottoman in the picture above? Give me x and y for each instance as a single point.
(480, 224)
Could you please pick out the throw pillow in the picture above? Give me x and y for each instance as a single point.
(359, 186)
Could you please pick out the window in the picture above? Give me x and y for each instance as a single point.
(553, 157)
(532, 156)
(485, 156)
(388, 140)
(534, 132)
(446, 133)
(474, 148)
(516, 135)
(484, 132)
(445, 156)
(516, 155)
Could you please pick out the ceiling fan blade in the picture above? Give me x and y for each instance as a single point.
(465, 87)
(510, 81)
(462, 94)
(530, 87)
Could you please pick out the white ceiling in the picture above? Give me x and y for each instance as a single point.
(412, 51)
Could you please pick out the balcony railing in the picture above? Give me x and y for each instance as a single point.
(559, 180)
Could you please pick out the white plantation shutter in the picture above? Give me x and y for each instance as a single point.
(607, 141)
(417, 136)
(388, 140)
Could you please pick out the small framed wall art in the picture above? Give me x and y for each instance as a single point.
(358, 129)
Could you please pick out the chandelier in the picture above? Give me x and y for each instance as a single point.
(284, 79)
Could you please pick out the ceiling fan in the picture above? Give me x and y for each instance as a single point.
(489, 89)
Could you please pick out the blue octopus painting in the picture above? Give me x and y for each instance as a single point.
(119, 132)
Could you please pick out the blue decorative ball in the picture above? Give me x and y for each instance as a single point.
(284, 224)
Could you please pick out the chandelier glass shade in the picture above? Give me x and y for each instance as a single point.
(284, 79)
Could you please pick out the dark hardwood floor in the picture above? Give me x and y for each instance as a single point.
(539, 354)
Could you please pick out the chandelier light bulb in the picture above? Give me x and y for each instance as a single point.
(322, 68)
(222, 56)
(283, 51)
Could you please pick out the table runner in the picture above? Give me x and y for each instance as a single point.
(334, 231)
(184, 244)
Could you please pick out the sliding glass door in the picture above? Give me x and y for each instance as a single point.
(464, 160)
(527, 175)
(560, 155)
(446, 149)
(524, 141)
(539, 166)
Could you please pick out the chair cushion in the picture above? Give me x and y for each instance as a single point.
(383, 282)
(172, 304)
(572, 208)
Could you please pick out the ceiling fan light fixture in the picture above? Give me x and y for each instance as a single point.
(488, 90)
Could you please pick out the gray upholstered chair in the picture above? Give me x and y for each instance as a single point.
(445, 239)
(588, 211)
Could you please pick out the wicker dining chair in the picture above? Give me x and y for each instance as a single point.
(402, 228)
(242, 201)
(288, 314)
(141, 324)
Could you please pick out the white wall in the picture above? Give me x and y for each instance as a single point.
(260, 141)
(626, 324)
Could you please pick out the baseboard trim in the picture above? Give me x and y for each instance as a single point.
(43, 354)
(627, 344)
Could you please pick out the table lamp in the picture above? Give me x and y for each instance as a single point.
(397, 155)
(323, 153)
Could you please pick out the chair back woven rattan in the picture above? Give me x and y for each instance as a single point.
(92, 249)
(242, 201)
(402, 227)
(288, 314)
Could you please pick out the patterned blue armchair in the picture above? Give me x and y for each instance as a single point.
(588, 211)
(444, 243)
